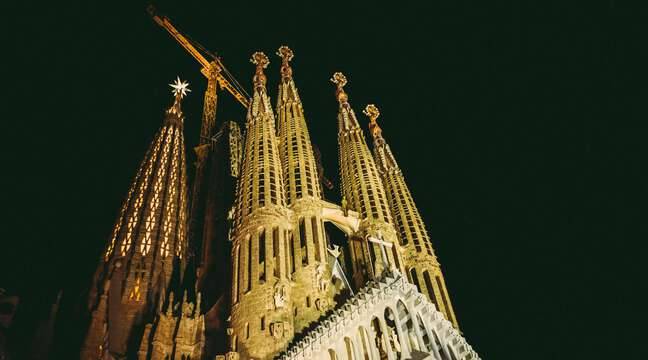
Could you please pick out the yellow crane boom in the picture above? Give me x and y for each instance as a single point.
(215, 66)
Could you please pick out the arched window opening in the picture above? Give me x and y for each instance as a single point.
(235, 273)
(452, 354)
(349, 348)
(364, 338)
(442, 350)
(424, 332)
(395, 254)
(262, 252)
(332, 354)
(249, 263)
(444, 297)
(275, 250)
(407, 326)
(302, 241)
(372, 254)
(430, 288)
(316, 241)
(415, 279)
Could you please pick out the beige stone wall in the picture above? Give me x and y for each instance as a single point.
(261, 315)
(312, 292)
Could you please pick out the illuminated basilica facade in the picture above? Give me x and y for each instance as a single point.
(243, 265)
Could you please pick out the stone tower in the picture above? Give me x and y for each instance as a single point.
(147, 245)
(311, 295)
(261, 314)
(374, 247)
(421, 263)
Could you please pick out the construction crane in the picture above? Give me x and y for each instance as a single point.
(210, 68)
(216, 74)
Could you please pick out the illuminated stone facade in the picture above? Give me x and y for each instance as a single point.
(146, 247)
(276, 286)
(421, 263)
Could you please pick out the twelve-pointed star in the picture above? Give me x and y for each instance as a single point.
(180, 87)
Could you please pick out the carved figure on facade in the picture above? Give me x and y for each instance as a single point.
(321, 304)
(320, 280)
(277, 329)
(279, 296)
(393, 337)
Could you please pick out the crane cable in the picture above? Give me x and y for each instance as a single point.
(228, 75)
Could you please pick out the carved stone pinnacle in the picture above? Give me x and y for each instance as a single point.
(260, 59)
(372, 112)
(285, 53)
(339, 79)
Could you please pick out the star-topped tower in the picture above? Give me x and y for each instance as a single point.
(148, 241)
(423, 269)
(375, 248)
(179, 89)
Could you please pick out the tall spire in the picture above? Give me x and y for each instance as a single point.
(346, 117)
(261, 174)
(150, 233)
(304, 194)
(382, 153)
(261, 315)
(364, 192)
(298, 159)
(421, 263)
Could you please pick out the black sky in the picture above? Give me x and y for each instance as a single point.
(519, 127)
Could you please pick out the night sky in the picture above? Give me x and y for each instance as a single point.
(519, 128)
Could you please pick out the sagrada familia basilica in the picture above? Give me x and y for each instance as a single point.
(242, 266)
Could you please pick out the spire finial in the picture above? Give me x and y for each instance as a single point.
(180, 89)
(373, 113)
(261, 61)
(286, 55)
(340, 80)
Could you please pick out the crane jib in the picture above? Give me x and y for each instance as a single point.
(232, 86)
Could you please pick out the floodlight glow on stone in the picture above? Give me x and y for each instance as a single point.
(180, 87)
